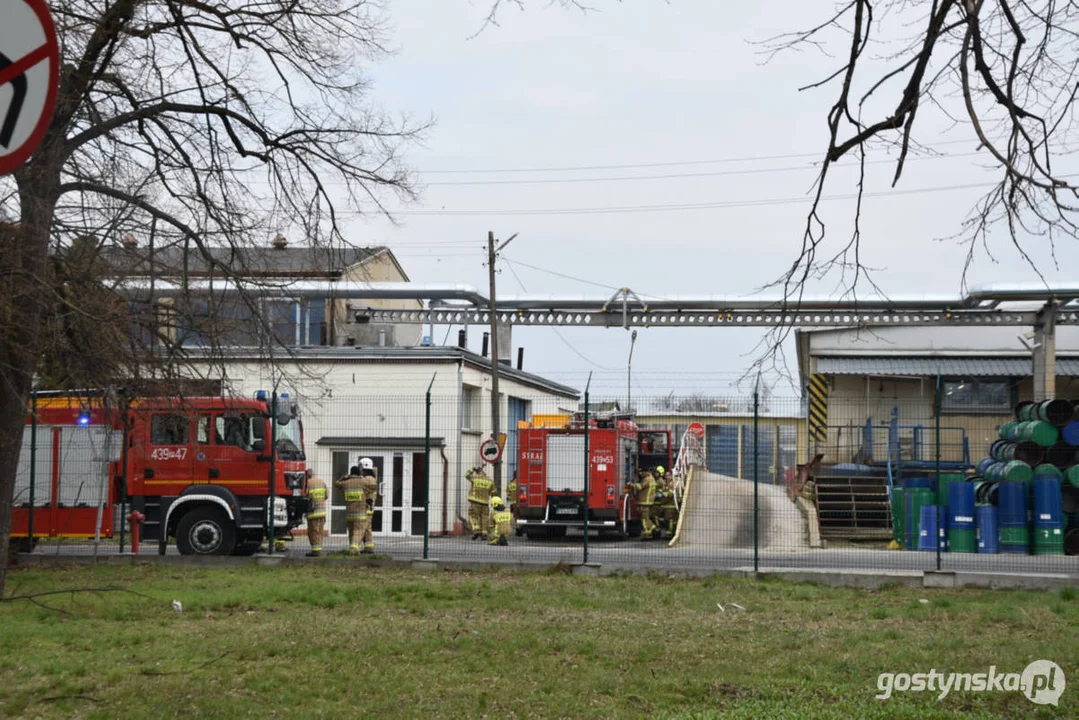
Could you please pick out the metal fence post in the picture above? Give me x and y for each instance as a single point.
(937, 401)
(427, 471)
(33, 465)
(586, 467)
(756, 477)
(123, 477)
(273, 470)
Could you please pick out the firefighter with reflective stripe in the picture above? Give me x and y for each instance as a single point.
(316, 516)
(645, 489)
(479, 495)
(666, 509)
(351, 486)
(370, 494)
(511, 498)
(501, 523)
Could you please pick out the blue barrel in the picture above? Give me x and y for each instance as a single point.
(1047, 502)
(985, 517)
(916, 499)
(1070, 432)
(929, 530)
(1011, 504)
(985, 465)
(961, 506)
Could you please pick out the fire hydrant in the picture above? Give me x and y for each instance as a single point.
(136, 519)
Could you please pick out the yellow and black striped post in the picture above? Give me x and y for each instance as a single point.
(818, 408)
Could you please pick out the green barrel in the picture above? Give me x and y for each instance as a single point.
(1048, 541)
(962, 541)
(1025, 411)
(1015, 471)
(1013, 535)
(1037, 431)
(1073, 475)
(1008, 430)
(1048, 470)
(943, 481)
(915, 499)
(899, 518)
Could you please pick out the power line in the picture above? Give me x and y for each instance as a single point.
(723, 205)
(678, 163)
(674, 176)
(557, 274)
(567, 343)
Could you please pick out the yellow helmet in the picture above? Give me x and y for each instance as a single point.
(496, 502)
(660, 470)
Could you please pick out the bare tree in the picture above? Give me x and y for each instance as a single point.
(1003, 73)
(201, 124)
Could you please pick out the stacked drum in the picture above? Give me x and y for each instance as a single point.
(1031, 479)
(1024, 497)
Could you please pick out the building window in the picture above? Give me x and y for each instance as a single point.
(297, 322)
(470, 408)
(966, 396)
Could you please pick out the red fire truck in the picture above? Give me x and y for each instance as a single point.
(198, 469)
(551, 476)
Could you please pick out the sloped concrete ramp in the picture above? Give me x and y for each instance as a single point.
(719, 514)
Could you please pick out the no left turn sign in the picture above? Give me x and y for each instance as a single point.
(29, 76)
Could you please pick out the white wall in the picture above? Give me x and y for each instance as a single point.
(913, 341)
(386, 399)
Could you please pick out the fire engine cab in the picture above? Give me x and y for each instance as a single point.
(551, 475)
(199, 469)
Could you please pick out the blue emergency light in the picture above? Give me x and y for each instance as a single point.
(260, 395)
(84, 419)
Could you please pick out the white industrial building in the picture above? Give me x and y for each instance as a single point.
(370, 402)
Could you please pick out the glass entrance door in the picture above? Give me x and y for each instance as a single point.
(396, 498)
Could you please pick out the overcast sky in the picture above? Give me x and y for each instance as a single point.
(641, 83)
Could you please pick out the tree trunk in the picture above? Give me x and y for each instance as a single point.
(23, 274)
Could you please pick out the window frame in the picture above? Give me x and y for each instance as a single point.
(976, 407)
(179, 421)
(470, 408)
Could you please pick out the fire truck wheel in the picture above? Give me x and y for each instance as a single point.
(634, 528)
(205, 531)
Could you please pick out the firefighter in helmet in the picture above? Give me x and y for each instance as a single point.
(351, 486)
(666, 508)
(645, 489)
(479, 495)
(370, 494)
(316, 515)
(501, 523)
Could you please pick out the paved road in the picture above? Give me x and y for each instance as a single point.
(655, 555)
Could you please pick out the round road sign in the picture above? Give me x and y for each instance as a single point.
(490, 451)
(696, 429)
(29, 77)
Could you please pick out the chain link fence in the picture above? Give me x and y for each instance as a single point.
(870, 474)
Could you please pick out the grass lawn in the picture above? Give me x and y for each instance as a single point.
(341, 641)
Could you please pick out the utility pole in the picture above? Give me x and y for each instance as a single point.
(492, 253)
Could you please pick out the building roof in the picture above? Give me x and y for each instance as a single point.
(366, 441)
(253, 261)
(956, 366)
(416, 354)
